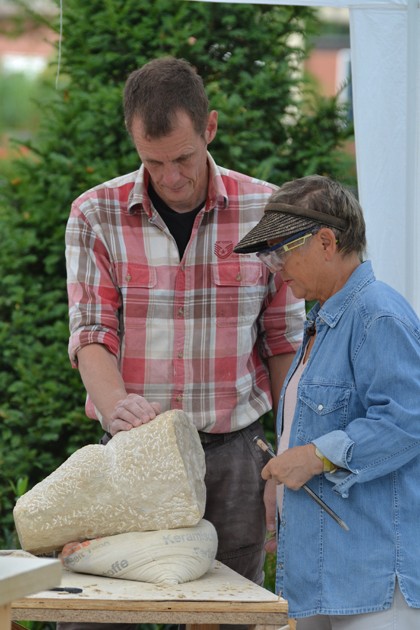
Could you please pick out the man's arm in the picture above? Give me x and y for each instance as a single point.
(278, 367)
(101, 377)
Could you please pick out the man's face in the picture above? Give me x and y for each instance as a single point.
(177, 163)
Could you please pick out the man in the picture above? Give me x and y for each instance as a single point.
(164, 315)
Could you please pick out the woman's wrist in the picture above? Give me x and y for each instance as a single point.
(328, 465)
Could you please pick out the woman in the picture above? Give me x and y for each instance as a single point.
(348, 422)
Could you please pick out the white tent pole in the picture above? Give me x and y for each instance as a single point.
(413, 154)
(379, 59)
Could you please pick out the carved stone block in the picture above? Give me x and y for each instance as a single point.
(149, 478)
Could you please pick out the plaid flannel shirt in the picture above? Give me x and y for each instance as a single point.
(193, 333)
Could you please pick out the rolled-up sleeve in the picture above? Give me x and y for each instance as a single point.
(94, 299)
(281, 321)
(387, 437)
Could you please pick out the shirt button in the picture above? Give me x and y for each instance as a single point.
(179, 398)
(180, 354)
(181, 311)
(127, 278)
(320, 407)
(238, 277)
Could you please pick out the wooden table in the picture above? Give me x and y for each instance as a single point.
(22, 576)
(220, 596)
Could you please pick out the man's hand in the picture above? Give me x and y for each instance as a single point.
(270, 503)
(130, 412)
(116, 410)
(294, 467)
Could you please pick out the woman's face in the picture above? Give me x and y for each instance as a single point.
(302, 269)
(299, 274)
(316, 270)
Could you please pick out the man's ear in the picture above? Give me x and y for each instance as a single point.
(211, 129)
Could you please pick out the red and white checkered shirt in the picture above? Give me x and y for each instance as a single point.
(192, 333)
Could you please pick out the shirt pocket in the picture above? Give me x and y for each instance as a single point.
(239, 291)
(135, 283)
(322, 408)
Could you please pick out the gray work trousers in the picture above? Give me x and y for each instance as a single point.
(234, 505)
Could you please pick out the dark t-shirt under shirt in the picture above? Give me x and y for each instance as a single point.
(180, 224)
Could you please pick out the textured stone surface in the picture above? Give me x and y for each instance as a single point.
(149, 478)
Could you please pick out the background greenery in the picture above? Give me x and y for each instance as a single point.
(272, 124)
(16, 111)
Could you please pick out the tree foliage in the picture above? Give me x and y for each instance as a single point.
(270, 125)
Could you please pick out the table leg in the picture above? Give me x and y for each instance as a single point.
(5, 616)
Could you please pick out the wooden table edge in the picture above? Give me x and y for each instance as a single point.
(178, 612)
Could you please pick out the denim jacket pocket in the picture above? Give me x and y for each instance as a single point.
(321, 409)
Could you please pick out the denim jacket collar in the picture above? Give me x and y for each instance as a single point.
(336, 305)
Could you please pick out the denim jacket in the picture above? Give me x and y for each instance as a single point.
(359, 402)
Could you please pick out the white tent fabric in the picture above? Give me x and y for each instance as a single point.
(385, 58)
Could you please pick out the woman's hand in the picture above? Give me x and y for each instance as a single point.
(294, 467)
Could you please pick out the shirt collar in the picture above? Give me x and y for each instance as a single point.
(332, 310)
(138, 197)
